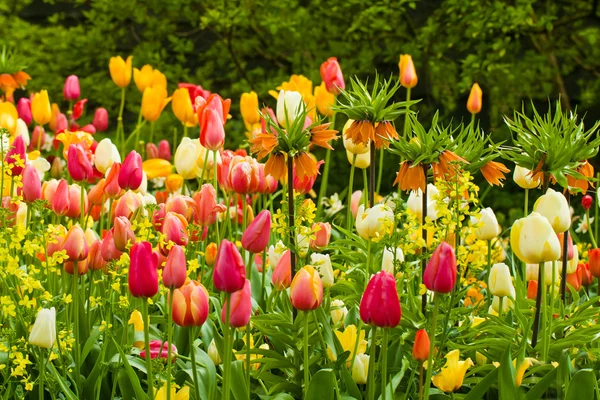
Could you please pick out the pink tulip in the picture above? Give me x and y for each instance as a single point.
(241, 307)
(61, 123)
(174, 273)
(79, 165)
(95, 261)
(131, 174)
(180, 204)
(123, 234)
(158, 348)
(440, 273)
(256, 236)
(108, 250)
(206, 207)
(229, 271)
(331, 74)
(75, 201)
(32, 185)
(175, 229)
(60, 198)
(71, 89)
(322, 233)
(267, 184)
(244, 175)
(212, 134)
(143, 274)
(380, 305)
(75, 244)
(158, 217)
(355, 202)
(127, 204)
(38, 138)
(111, 187)
(89, 128)
(24, 110)
(164, 150)
(151, 151)
(215, 103)
(282, 274)
(101, 119)
(306, 291)
(15, 157)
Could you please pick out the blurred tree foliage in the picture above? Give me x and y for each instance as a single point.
(515, 49)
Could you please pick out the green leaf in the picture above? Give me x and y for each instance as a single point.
(395, 381)
(133, 378)
(238, 380)
(479, 390)
(63, 386)
(507, 389)
(540, 388)
(321, 386)
(582, 385)
(351, 387)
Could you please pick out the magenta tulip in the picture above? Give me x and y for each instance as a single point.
(256, 236)
(440, 273)
(230, 272)
(380, 305)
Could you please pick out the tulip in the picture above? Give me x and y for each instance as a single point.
(289, 107)
(267, 184)
(79, 165)
(587, 201)
(212, 133)
(61, 124)
(594, 262)
(380, 305)
(123, 234)
(164, 150)
(60, 199)
(322, 235)
(38, 138)
(148, 77)
(143, 275)
(573, 261)
(487, 225)
(154, 101)
(361, 161)
(182, 205)
(348, 340)
(408, 74)
(24, 110)
(183, 108)
(131, 174)
(8, 117)
(230, 272)
(174, 273)
(190, 304)
(56, 168)
(506, 304)
(440, 273)
(174, 183)
(106, 155)
(137, 320)
(501, 282)
(306, 291)
(338, 311)
(331, 74)
(111, 185)
(160, 348)
(322, 263)
(40, 108)
(420, 351)
(241, 306)
(213, 353)
(389, 259)
(533, 240)
(43, 332)
(206, 207)
(95, 261)
(586, 277)
(452, 374)
(532, 289)
(75, 244)
(415, 202)
(249, 108)
(82, 267)
(360, 369)
(256, 236)
(550, 268)
(554, 206)
(15, 157)
(32, 186)
(575, 279)
(71, 88)
(282, 274)
(244, 175)
(127, 204)
(108, 250)
(375, 222)
(186, 156)
(120, 71)
(174, 227)
(524, 178)
(100, 120)
(474, 101)
(182, 394)
(213, 102)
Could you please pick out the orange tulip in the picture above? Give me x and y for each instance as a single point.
(474, 102)
(190, 304)
(307, 289)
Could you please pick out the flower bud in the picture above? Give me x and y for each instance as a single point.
(123, 234)
(440, 273)
(360, 369)
(331, 74)
(131, 174)
(289, 107)
(487, 225)
(533, 240)
(532, 288)
(420, 351)
(40, 108)
(106, 154)
(256, 236)
(174, 228)
(322, 235)
(524, 178)
(174, 273)
(108, 249)
(100, 120)
(190, 304)
(120, 70)
(241, 307)
(474, 102)
(212, 133)
(71, 89)
(211, 254)
(143, 275)
(587, 201)
(24, 110)
(32, 186)
(75, 244)
(408, 74)
(306, 291)
(95, 261)
(43, 332)
(338, 311)
(387, 261)
(213, 353)
(380, 304)
(282, 274)
(230, 272)
(554, 206)
(501, 282)
(79, 165)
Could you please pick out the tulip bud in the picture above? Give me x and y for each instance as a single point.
(24, 110)
(106, 155)
(389, 259)
(374, 222)
(143, 275)
(256, 236)
(164, 150)
(75, 244)
(322, 235)
(15, 157)
(408, 74)
(74, 210)
(532, 288)
(212, 133)
(360, 369)
(100, 120)
(524, 178)
(40, 108)
(38, 138)
(213, 353)
(241, 306)
(174, 228)
(487, 225)
(501, 282)
(440, 273)
(174, 183)
(160, 349)
(120, 70)
(95, 261)
(289, 107)
(56, 168)
(575, 279)
(151, 151)
(230, 272)
(108, 249)
(380, 304)
(533, 240)
(123, 234)
(182, 205)
(594, 262)
(282, 274)
(211, 254)
(249, 108)
(338, 311)
(32, 186)
(71, 89)
(420, 350)
(474, 102)
(43, 332)
(586, 277)
(554, 206)
(111, 185)
(60, 199)
(127, 204)
(131, 174)
(190, 304)
(244, 175)
(306, 291)
(586, 202)
(79, 165)
(206, 209)
(174, 273)
(331, 74)
(322, 263)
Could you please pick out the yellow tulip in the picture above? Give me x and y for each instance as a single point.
(533, 240)
(138, 327)
(157, 167)
(148, 77)
(324, 100)
(182, 107)
(362, 160)
(182, 394)
(360, 369)
(554, 206)
(523, 177)
(452, 374)
(348, 340)
(186, 157)
(154, 101)
(120, 70)
(249, 109)
(40, 108)
(174, 182)
(8, 117)
(520, 371)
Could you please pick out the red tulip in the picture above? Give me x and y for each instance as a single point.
(241, 307)
(95, 261)
(143, 275)
(586, 202)
(158, 348)
(174, 228)
(32, 185)
(282, 274)
(215, 103)
(267, 184)
(380, 305)
(131, 174)
(151, 151)
(223, 170)
(89, 128)
(61, 123)
(78, 109)
(576, 277)
(122, 233)
(195, 91)
(71, 89)
(174, 272)
(38, 138)
(586, 276)
(244, 175)
(108, 250)
(158, 217)
(306, 291)
(532, 288)
(164, 150)
(101, 119)
(60, 199)
(256, 236)
(331, 74)
(440, 273)
(79, 165)
(594, 262)
(230, 272)
(212, 134)
(24, 110)
(74, 210)
(206, 207)
(322, 233)
(420, 350)
(190, 304)
(15, 157)
(75, 244)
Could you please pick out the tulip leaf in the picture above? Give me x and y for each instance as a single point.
(395, 381)
(239, 389)
(479, 390)
(133, 378)
(207, 373)
(321, 386)
(543, 384)
(89, 343)
(507, 389)
(582, 385)
(63, 386)
(351, 387)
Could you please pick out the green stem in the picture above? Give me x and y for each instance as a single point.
(384, 348)
(381, 154)
(526, 205)
(264, 274)
(587, 215)
(501, 302)
(358, 330)
(216, 187)
(193, 358)
(472, 121)
(371, 372)
(76, 324)
(120, 122)
(152, 132)
(427, 383)
(169, 339)
(406, 118)
(248, 358)
(350, 185)
(185, 130)
(149, 376)
(42, 373)
(325, 180)
(137, 131)
(538, 305)
(306, 360)
(227, 349)
(489, 269)
(368, 267)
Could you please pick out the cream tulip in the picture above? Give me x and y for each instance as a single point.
(289, 106)
(186, 158)
(387, 261)
(375, 222)
(550, 268)
(501, 284)
(106, 154)
(507, 304)
(338, 311)
(362, 160)
(23, 131)
(275, 253)
(523, 178)
(533, 240)
(43, 333)
(487, 225)
(360, 369)
(322, 263)
(572, 263)
(554, 206)
(415, 202)
(213, 353)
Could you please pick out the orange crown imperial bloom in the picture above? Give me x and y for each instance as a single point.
(384, 131)
(321, 136)
(275, 166)
(447, 165)
(306, 166)
(586, 169)
(493, 172)
(360, 131)
(263, 144)
(410, 177)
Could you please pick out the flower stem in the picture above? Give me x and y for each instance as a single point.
(592, 239)
(151, 132)
(372, 175)
(489, 270)
(76, 324)
(526, 205)
(306, 360)
(358, 331)
(424, 236)
(192, 332)
(350, 185)
(149, 376)
(371, 372)
(325, 179)
(169, 339)
(565, 260)
(381, 154)
(137, 131)
(538, 305)
(384, 348)
(227, 349)
(120, 122)
(427, 383)
(42, 373)
(291, 218)
(216, 187)
(406, 119)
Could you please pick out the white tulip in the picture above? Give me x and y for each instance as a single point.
(43, 333)
(415, 202)
(487, 225)
(106, 154)
(338, 311)
(387, 261)
(322, 263)
(523, 178)
(554, 206)
(289, 106)
(375, 222)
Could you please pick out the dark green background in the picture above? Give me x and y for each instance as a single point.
(517, 50)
